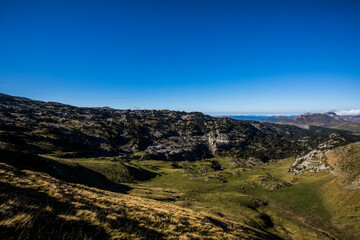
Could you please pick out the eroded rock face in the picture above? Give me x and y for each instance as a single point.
(216, 139)
(314, 161)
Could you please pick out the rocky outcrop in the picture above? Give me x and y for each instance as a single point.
(245, 163)
(270, 183)
(314, 161)
(216, 139)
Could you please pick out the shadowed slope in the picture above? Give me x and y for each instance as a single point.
(36, 205)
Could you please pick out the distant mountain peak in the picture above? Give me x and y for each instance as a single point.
(331, 113)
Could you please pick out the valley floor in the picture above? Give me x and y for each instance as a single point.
(208, 199)
(309, 206)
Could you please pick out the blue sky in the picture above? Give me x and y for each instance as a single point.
(209, 56)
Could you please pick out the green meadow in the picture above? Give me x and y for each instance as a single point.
(267, 197)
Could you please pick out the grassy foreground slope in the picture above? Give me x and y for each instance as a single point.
(218, 198)
(35, 205)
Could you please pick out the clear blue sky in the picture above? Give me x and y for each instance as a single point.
(210, 56)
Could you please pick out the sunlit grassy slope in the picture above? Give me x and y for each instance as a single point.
(346, 163)
(116, 171)
(37, 206)
(314, 206)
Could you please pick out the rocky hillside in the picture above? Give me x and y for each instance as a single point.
(48, 127)
(342, 162)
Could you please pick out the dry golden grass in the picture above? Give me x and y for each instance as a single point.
(346, 164)
(38, 206)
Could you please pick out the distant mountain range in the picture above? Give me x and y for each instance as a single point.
(245, 117)
(328, 120)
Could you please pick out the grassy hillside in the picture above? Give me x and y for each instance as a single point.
(346, 163)
(36, 205)
(303, 208)
(114, 170)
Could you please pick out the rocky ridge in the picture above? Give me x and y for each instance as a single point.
(48, 127)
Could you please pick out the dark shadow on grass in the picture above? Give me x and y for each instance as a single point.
(43, 224)
(46, 220)
(217, 223)
(71, 173)
(140, 174)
